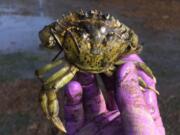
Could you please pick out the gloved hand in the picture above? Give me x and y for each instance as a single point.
(135, 111)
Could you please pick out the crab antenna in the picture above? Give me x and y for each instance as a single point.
(58, 42)
(55, 57)
(53, 32)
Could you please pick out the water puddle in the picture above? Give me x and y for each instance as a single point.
(20, 33)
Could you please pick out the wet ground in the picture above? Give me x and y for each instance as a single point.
(156, 22)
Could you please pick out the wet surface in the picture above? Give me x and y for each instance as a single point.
(20, 33)
(156, 22)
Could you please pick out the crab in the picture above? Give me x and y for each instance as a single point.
(91, 42)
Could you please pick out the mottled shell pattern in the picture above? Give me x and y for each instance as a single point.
(91, 41)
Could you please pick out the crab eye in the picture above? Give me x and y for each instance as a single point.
(51, 39)
(52, 42)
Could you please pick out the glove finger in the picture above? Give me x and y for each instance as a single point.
(151, 101)
(132, 58)
(74, 112)
(93, 100)
(130, 100)
(110, 85)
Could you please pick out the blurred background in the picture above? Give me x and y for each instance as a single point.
(157, 22)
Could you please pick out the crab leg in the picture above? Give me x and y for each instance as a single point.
(48, 67)
(58, 74)
(142, 82)
(43, 102)
(144, 85)
(50, 106)
(59, 83)
(146, 69)
(53, 107)
(49, 101)
(119, 62)
(141, 65)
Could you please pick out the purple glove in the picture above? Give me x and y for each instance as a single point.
(135, 112)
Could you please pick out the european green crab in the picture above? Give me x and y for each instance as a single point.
(92, 42)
